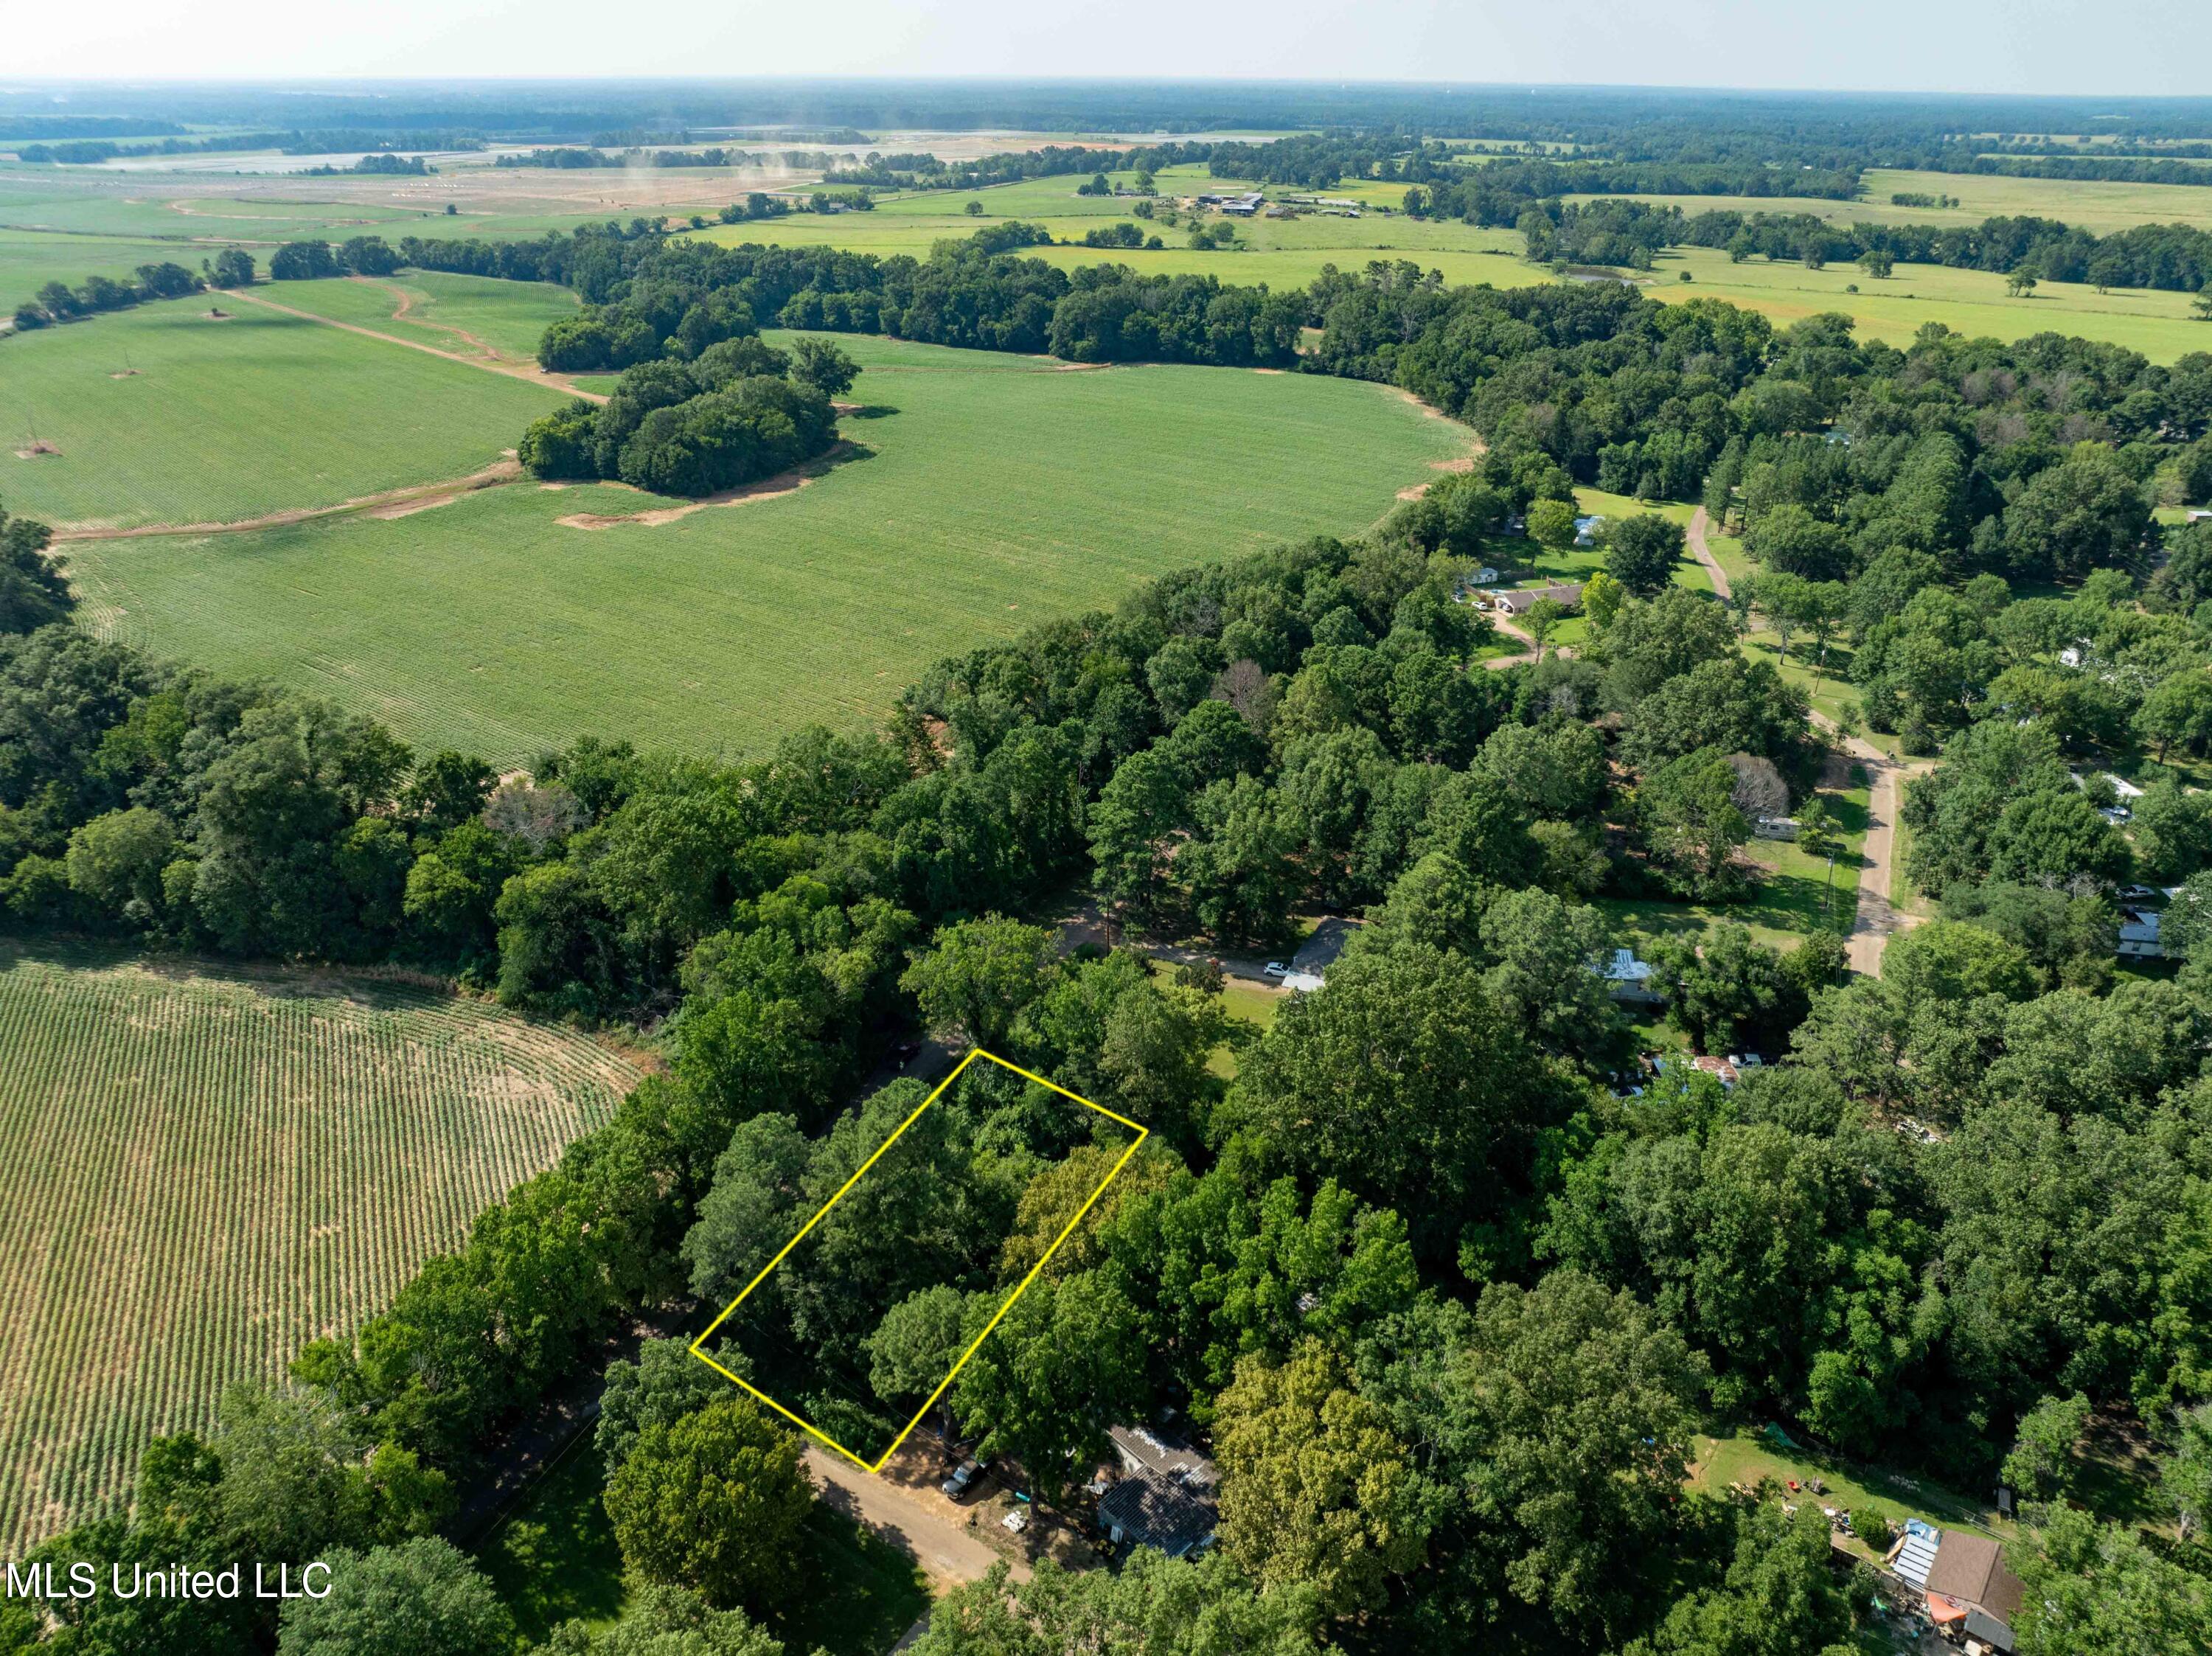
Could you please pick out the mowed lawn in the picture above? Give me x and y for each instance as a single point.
(163, 414)
(989, 492)
(209, 1166)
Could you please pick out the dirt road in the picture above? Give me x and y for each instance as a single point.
(513, 371)
(386, 503)
(1879, 919)
(1696, 535)
(909, 1519)
(1507, 628)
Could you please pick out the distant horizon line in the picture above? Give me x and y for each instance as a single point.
(18, 84)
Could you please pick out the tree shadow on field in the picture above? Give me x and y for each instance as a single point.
(868, 411)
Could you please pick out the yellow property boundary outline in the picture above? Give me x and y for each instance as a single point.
(1067, 1230)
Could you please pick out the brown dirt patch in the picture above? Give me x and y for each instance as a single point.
(215, 316)
(125, 374)
(38, 450)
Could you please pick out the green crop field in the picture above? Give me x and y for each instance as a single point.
(209, 1166)
(994, 491)
(162, 415)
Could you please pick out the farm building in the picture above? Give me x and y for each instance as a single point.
(1515, 601)
(1164, 1497)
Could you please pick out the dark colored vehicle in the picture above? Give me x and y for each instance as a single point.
(963, 1479)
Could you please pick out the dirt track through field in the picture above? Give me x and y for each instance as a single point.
(386, 503)
(405, 303)
(513, 371)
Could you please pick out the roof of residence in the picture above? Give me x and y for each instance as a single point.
(1155, 1510)
(1319, 952)
(1625, 968)
(1156, 1449)
(1972, 1569)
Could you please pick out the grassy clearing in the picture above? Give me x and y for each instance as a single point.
(165, 415)
(1745, 1456)
(1798, 893)
(998, 491)
(557, 1559)
(2096, 206)
(210, 1166)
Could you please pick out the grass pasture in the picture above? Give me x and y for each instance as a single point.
(210, 1165)
(165, 415)
(2162, 325)
(995, 491)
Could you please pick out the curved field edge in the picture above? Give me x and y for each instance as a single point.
(986, 492)
(210, 1165)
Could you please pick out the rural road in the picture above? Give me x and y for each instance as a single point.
(947, 1553)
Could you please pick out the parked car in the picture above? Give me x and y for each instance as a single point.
(1275, 969)
(963, 1479)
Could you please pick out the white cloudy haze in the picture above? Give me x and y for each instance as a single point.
(2104, 46)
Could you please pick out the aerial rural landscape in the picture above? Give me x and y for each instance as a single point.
(824, 849)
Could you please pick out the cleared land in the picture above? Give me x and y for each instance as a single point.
(210, 1167)
(985, 491)
(163, 414)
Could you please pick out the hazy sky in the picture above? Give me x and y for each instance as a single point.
(2108, 46)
